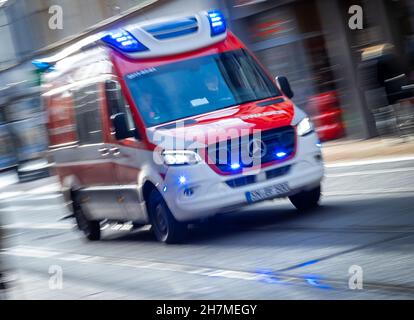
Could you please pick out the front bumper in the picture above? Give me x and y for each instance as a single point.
(210, 194)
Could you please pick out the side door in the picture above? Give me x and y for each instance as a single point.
(94, 156)
(129, 153)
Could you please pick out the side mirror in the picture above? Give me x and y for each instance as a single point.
(120, 123)
(284, 85)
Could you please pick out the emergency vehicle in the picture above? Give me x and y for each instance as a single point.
(153, 122)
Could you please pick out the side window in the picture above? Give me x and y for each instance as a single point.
(117, 103)
(130, 119)
(88, 115)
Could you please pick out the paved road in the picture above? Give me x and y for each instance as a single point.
(264, 252)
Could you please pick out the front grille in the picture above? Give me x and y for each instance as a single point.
(242, 181)
(250, 179)
(278, 172)
(276, 144)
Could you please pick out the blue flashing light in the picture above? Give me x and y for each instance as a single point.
(235, 166)
(164, 189)
(42, 65)
(316, 281)
(268, 276)
(124, 41)
(281, 154)
(182, 180)
(217, 22)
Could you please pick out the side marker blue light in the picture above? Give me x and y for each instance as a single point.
(182, 180)
(319, 144)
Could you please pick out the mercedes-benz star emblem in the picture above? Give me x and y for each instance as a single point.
(257, 149)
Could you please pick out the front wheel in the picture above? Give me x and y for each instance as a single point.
(306, 200)
(166, 228)
(91, 229)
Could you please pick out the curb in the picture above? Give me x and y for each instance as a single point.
(368, 161)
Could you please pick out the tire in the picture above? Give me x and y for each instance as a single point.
(306, 200)
(165, 227)
(91, 229)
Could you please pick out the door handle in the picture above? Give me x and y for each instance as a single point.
(104, 151)
(115, 151)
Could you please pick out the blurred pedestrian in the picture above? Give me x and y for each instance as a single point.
(382, 78)
(392, 75)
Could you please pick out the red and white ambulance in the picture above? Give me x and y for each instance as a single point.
(172, 121)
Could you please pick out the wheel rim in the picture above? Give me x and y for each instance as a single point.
(161, 220)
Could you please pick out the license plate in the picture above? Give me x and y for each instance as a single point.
(267, 193)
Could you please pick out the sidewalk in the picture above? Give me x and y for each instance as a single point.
(353, 150)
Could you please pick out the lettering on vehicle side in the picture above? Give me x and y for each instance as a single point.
(263, 114)
(140, 73)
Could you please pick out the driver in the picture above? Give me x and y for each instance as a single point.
(211, 82)
(147, 107)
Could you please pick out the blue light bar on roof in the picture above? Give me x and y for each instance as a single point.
(124, 41)
(217, 22)
(42, 65)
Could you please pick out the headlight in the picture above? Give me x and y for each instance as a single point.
(304, 127)
(180, 157)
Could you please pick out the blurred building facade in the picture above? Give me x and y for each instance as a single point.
(25, 35)
(309, 41)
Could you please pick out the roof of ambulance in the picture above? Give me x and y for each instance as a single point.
(153, 38)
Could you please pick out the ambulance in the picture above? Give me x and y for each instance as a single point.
(172, 121)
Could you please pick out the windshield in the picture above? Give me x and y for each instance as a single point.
(192, 87)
